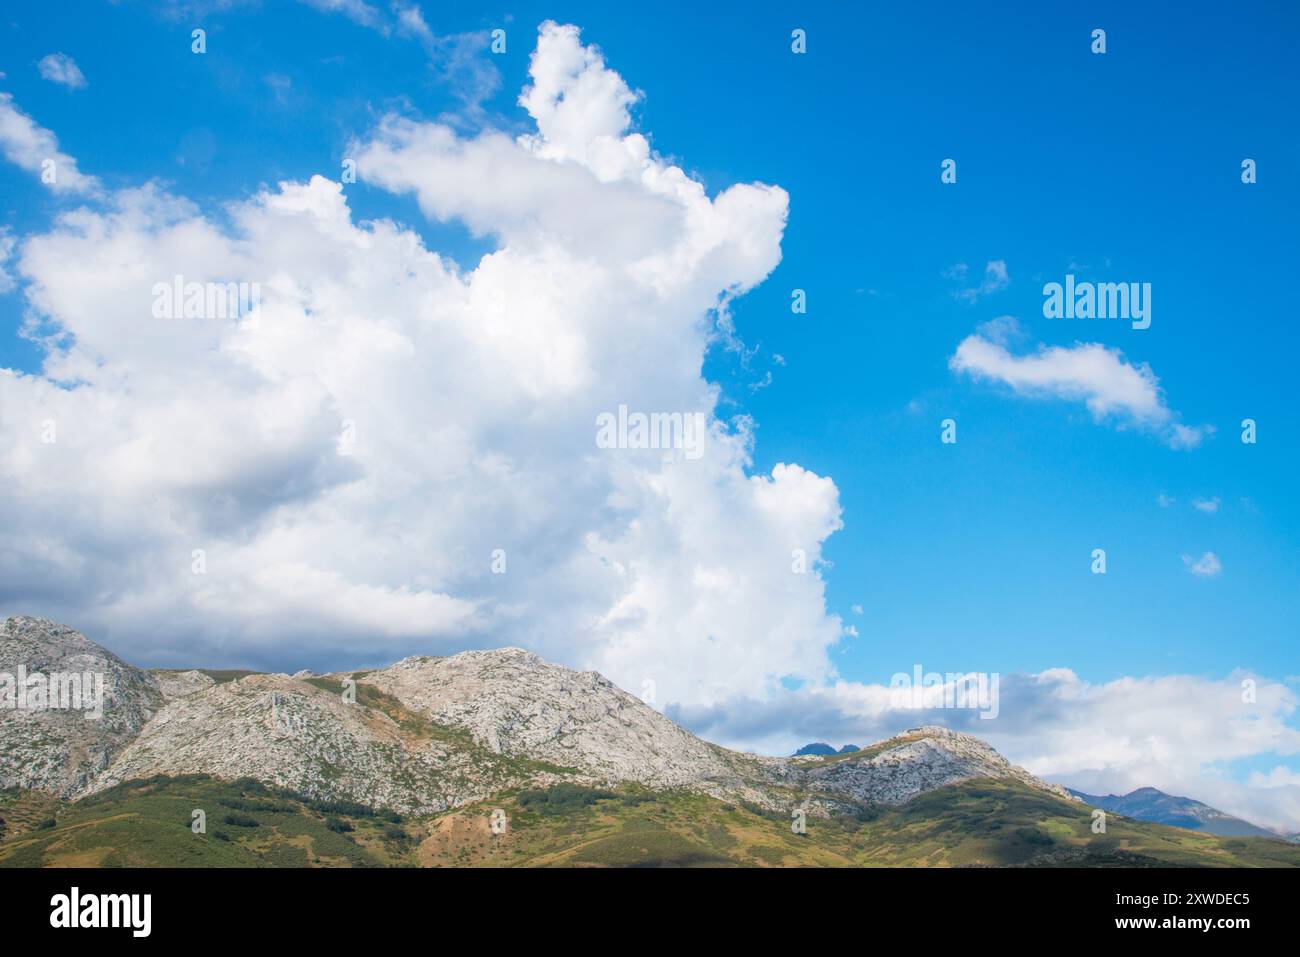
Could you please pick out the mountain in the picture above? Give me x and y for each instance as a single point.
(1149, 804)
(60, 751)
(410, 764)
(818, 747)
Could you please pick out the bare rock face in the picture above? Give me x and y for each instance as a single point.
(912, 763)
(312, 739)
(62, 750)
(515, 704)
(178, 684)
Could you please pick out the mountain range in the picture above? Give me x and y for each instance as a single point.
(1149, 804)
(499, 757)
(820, 747)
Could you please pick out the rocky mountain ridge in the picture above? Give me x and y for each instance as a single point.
(429, 733)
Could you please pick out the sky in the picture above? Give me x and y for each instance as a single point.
(395, 452)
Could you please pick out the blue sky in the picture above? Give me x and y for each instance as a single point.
(1117, 167)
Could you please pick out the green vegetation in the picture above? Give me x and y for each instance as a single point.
(561, 798)
(147, 823)
(976, 823)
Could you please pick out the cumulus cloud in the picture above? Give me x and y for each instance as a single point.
(1207, 505)
(346, 459)
(32, 147)
(1112, 388)
(1207, 566)
(61, 69)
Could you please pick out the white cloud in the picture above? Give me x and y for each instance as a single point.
(473, 393)
(995, 279)
(1164, 501)
(1175, 732)
(1207, 566)
(1207, 505)
(410, 20)
(1110, 387)
(7, 243)
(61, 69)
(357, 11)
(32, 147)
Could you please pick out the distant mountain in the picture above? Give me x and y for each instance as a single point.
(818, 747)
(1149, 804)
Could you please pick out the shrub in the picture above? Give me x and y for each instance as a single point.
(338, 826)
(241, 820)
(561, 798)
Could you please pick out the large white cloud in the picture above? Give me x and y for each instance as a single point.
(471, 395)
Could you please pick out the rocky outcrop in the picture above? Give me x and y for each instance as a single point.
(513, 703)
(63, 750)
(913, 763)
(295, 734)
(179, 684)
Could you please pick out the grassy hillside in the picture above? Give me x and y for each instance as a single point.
(977, 823)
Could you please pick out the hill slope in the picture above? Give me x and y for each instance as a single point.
(991, 823)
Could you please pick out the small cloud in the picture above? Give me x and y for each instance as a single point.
(280, 85)
(1207, 505)
(26, 144)
(1188, 436)
(1164, 501)
(856, 609)
(410, 22)
(995, 280)
(62, 69)
(358, 11)
(1004, 330)
(1109, 386)
(1207, 566)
